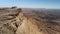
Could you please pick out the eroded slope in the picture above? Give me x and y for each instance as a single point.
(14, 21)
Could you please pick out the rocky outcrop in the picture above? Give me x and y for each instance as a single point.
(10, 19)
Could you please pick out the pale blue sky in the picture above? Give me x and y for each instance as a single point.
(55, 4)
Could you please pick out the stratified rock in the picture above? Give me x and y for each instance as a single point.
(9, 20)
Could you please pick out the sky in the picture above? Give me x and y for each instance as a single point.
(52, 4)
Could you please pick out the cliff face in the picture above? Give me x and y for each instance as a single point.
(14, 21)
(10, 19)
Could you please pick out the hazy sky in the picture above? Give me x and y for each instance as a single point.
(31, 3)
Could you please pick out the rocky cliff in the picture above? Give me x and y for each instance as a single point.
(10, 19)
(14, 21)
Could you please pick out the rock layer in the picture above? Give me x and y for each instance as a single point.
(9, 20)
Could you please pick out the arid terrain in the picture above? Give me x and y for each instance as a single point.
(29, 21)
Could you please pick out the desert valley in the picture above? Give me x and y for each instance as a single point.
(29, 21)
